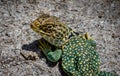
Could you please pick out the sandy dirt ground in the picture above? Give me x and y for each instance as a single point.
(101, 18)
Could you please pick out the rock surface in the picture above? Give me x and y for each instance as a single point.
(101, 18)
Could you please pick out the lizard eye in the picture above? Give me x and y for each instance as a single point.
(49, 26)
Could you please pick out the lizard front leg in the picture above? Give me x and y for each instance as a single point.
(52, 55)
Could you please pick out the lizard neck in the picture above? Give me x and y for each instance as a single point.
(72, 33)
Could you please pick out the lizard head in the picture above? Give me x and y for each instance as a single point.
(51, 29)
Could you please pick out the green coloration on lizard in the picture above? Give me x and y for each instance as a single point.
(79, 56)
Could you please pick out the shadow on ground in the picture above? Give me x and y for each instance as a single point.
(34, 47)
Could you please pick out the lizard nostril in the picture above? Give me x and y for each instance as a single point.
(31, 26)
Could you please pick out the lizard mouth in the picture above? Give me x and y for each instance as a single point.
(35, 24)
(34, 27)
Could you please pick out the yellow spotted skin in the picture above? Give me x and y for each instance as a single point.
(51, 29)
(80, 58)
